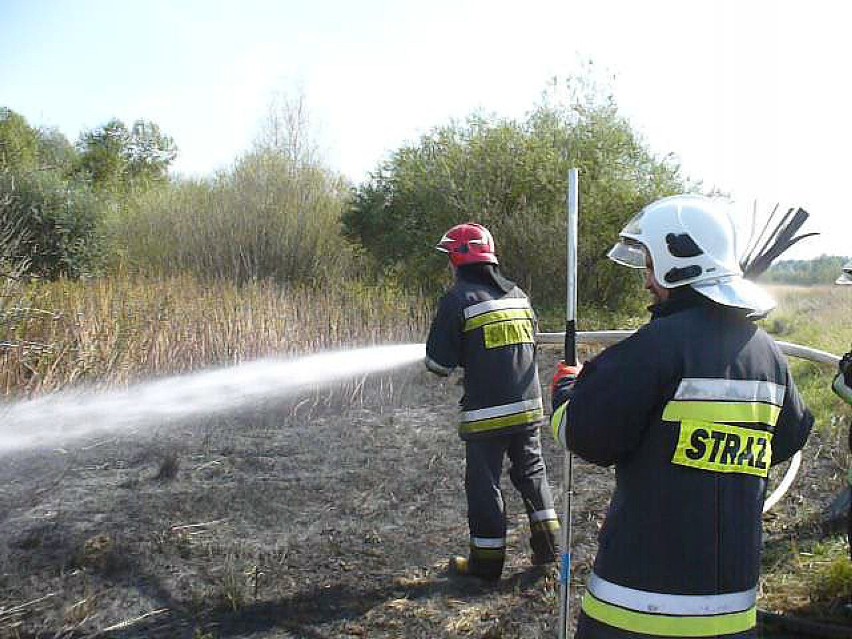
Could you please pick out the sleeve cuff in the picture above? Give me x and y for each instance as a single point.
(557, 423)
(437, 368)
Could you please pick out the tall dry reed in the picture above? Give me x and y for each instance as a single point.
(115, 331)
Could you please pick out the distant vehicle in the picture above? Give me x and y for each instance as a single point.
(846, 276)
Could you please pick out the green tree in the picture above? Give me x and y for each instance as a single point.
(274, 215)
(19, 142)
(24, 148)
(512, 176)
(49, 225)
(57, 223)
(821, 270)
(55, 152)
(103, 154)
(149, 154)
(119, 160)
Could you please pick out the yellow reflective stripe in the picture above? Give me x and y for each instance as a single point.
(508, 333)
(498, 316)
(547, 524)
(556, 422)
(744, 412)
(667, 625)
(487, 553)
(496, 423)
(722, 448)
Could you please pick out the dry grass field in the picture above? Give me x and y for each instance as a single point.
(329, 514)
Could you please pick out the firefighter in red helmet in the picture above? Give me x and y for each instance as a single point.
(485, 325)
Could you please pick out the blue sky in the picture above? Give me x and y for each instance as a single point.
(751, 95)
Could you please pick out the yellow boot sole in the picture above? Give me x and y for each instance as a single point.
(459, 566)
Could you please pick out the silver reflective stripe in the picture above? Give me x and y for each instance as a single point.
(434, 366)
(735, 390)
(496, 305)
(663, 604)
(501, 411)
(487, 542)
(543, 515)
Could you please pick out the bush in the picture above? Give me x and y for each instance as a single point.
(267, 218)
(59, 223)
(511, 176)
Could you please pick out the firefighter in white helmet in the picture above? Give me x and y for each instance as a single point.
(846, 276)
(692, 410)
(842, 385)
(485, 324)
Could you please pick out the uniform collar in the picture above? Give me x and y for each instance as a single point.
(680, 299)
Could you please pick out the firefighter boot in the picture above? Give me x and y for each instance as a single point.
(544, 542)
(486, 568)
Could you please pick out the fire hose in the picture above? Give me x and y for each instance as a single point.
(794, 350)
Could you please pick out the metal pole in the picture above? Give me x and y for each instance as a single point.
(570, 358)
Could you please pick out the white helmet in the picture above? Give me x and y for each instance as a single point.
(846, 276)
(691, 240)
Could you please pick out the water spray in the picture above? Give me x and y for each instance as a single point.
(55, 419)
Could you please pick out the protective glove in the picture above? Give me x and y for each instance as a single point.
(845, 367)
(563, 380)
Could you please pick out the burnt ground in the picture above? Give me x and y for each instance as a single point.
(328, 515)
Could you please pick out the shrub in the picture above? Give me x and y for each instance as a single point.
(267, 218)
(59, 223)
(512, 177)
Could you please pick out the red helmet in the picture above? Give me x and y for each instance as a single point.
(468, 244)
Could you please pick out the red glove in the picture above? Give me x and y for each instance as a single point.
(564, 373)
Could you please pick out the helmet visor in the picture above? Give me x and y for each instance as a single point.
(628, 253)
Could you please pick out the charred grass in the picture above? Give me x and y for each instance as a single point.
(332, 518)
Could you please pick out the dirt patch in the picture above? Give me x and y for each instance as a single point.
(329, 516)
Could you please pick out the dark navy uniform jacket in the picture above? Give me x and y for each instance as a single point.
(491, 334)
(692, 410)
